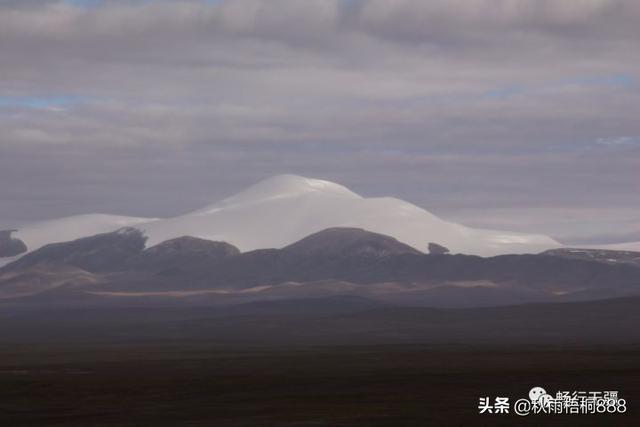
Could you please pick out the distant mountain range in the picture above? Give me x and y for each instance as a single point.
(603, 255)
(118, 268)
(283, 209)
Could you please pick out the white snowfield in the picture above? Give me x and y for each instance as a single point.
(629, 246)
(38, 234)
(285, 208)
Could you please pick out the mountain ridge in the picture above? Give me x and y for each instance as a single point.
(115, 267)
(283, 209)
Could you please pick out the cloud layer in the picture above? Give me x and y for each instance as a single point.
(155, 107)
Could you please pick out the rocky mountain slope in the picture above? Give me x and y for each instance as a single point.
(117, 268)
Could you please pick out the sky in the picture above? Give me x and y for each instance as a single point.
(512, 114)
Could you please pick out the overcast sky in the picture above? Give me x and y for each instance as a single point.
(514, 114)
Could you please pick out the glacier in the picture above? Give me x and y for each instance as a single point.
(285, 208)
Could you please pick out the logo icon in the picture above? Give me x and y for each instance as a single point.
(539, 396)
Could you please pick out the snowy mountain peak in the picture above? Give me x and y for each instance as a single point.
(291, 185)
(286, 208)
(280, 187)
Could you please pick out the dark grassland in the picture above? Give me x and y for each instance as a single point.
(207, 385)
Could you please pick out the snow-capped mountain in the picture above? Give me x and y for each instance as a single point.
(283, 209)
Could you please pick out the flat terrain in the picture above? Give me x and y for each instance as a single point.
(208, 385)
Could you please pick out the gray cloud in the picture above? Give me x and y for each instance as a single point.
(464, 107)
